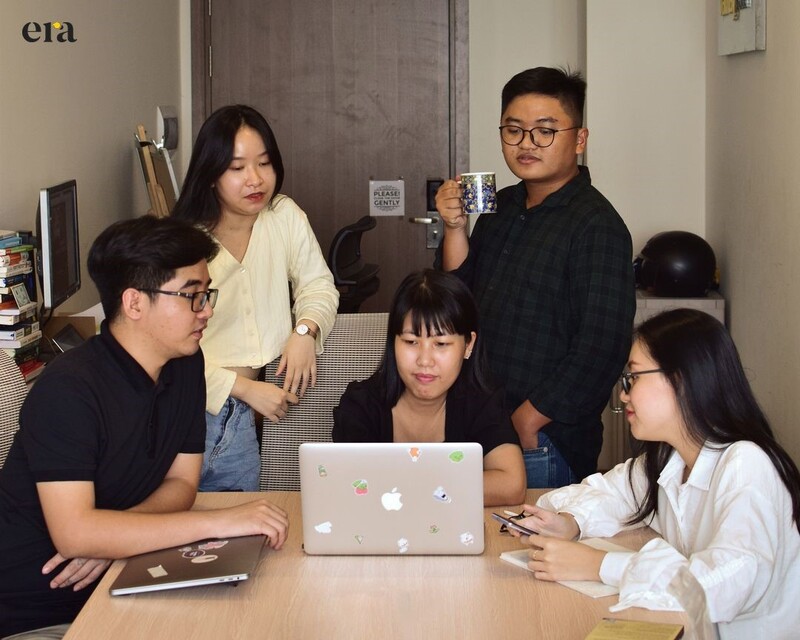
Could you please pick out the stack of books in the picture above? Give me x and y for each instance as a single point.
(19, 325)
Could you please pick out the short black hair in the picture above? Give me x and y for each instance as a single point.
(211, 156)
(144, 253)
(567, 86)
(441, 303)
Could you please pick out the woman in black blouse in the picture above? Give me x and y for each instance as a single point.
(432, 385)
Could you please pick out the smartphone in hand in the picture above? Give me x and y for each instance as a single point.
(514, 525)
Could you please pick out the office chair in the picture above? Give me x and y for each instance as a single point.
(355, 280)
(12, 393)
(352, 352)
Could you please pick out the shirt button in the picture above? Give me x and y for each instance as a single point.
(505, 252)
(522, 217)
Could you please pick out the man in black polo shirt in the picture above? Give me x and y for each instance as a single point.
(107, 460)
(551, 272)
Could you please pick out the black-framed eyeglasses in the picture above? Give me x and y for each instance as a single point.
(198, 298)
(627, 378)
(542, 137)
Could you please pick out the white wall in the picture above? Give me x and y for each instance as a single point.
(753, 201)
(69, 110)
(646, 112)
(504, 39)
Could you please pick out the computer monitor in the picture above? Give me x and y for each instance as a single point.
(59, 250)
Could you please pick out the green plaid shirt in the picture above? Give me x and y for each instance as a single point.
(555, 289)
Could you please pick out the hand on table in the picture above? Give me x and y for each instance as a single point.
(552, 559)
(79, 573)
(258, 517)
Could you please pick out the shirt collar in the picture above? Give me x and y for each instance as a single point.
(137, 376)
(702, 471)
(562, 196)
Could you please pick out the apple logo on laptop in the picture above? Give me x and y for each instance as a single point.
(391, 500)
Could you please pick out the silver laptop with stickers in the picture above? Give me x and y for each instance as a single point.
(392, 498)
(190, 565)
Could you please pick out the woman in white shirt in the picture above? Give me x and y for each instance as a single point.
(711, 480)
(266, 243)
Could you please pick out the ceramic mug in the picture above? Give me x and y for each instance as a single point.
(480, 195)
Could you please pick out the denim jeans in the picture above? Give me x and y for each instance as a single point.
(546, 467)
(231, 461)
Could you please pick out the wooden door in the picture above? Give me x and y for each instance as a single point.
(354, 90)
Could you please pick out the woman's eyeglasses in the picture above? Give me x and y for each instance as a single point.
(627, 379)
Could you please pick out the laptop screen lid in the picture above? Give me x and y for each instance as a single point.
(392, 498)
(190, 565)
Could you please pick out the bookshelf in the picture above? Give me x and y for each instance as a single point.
(20, 332)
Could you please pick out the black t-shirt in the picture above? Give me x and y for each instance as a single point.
(472, 416)
(93, 415)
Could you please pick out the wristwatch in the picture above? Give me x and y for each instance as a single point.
(303, 329)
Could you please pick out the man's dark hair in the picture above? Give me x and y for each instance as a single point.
(212, 155)
(567, 86)
(143, 253)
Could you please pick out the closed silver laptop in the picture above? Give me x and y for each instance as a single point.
(392, 498)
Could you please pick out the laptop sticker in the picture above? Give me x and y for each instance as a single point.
(193, 550)
(359, 539)
(212, 544)
(402, 545)
(324, 527)
(157, 572)
(361, 487)
(414, 453)
(441, 495)
(456, 456)
(467, 538)
(323, 472)
(433, 529)
(204, 559)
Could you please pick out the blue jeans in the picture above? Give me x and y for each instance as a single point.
(546, 467)
(231, 461)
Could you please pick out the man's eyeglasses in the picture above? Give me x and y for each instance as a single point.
(198, 298)
(627, 379)
(542, 137)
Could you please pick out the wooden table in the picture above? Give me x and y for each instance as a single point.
(296, 596)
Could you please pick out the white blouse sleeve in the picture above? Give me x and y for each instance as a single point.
(602, 502)
(734, 569)
(316, 297)
(731, 541)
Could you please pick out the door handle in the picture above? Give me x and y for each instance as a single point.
(423, 220)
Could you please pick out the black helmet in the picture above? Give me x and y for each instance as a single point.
(675, 264)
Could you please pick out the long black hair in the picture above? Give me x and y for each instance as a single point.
(211, 157)
(443, 304)
(716, 402)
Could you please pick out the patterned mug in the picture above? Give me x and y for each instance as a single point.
(480, 195)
